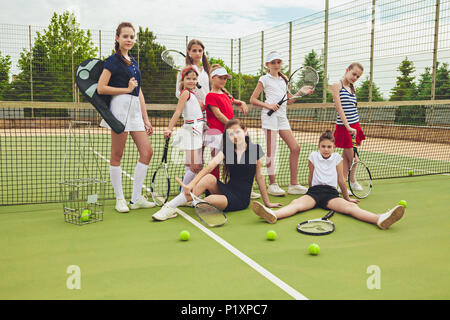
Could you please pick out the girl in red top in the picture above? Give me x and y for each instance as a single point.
(219, 109)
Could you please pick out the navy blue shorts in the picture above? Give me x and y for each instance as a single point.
(322, 194)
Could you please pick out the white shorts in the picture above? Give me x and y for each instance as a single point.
(275, 122)
(127, 109)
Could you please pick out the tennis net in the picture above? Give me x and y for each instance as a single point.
(401, 137)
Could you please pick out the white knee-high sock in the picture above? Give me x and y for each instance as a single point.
(177, 201)
(115, 174)
(140, 171)
(188, 176)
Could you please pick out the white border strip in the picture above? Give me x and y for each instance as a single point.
(265, 273)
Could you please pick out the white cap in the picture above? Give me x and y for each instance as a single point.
(220, 72)
(273, 56)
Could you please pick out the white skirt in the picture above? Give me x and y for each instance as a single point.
(186, 138)
(127, 109)
(213, 141)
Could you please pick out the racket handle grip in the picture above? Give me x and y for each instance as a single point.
(270, 112)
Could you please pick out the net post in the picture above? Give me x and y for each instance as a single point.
(231, 65)
(325, 53)
(31, 67)
(435, 49)
(239, 83)
(372, 41)
(290, 47)
(262, 61)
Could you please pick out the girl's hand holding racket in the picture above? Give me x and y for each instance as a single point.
(274, 107)
(167, 133)
(352, 131)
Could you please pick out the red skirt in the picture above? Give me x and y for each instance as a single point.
(343, 139)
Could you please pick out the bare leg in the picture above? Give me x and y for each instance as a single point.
(271, 138)
(301, 204)
(118, 142)
(142, 142)
(209, 182)
(343, 206)
(294, 149)
(347, 156)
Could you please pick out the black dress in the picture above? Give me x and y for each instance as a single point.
(242, 174)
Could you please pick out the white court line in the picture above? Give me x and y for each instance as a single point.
(264, 272)
(405, 168)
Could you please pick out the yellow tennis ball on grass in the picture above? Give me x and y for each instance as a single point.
(314, 249)
(271, 235)
(402, 203)
(185, 235)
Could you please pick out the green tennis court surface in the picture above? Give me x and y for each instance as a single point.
(128, 256)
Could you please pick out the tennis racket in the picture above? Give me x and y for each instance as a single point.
(176, 60)
(208, 214)
(317, 227)
(160, 186)
(302, 77)
(359, 176)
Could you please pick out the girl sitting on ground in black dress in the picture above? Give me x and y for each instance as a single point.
(241, 165)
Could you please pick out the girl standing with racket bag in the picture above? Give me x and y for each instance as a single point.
(274, 85)
(325, 172)
(242, 165)
(121, 79)
(190, 136)
(347, 123)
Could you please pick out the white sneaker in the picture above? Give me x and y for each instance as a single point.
(356, 186)
(165, 213)
(387, 219)
(121, 206)
(254, 195)
(275, 190)
(264, 212)
(142, 203)
(297, 189)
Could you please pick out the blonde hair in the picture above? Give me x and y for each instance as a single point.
(217, 66)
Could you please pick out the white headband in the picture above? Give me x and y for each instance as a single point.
(220, 72)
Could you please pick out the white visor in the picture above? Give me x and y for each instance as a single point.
(273, 56)
(220, 72)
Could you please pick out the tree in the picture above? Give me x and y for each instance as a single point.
(362, 92)
(442, 82)
(158, 80)
(424, 85)
(405, 88)
(5, 67)
(51, 61)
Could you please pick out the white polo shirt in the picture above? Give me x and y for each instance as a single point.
(203, 80)
(325, 172)
(274, 89)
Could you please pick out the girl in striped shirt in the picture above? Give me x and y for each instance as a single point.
(347, 123)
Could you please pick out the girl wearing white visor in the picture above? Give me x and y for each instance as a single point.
(274, 85)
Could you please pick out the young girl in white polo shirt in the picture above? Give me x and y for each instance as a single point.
(274, 85)
(325, 172)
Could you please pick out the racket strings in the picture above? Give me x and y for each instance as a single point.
(316, 227)
(360, 180)
(160, 186)
(209, 214)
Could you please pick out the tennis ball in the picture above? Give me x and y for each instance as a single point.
(185, 235)
(271, 235)
(314, 249)
(402, 203)
(85, 215)
(410, 172)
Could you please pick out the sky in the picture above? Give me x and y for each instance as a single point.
(212, 18)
